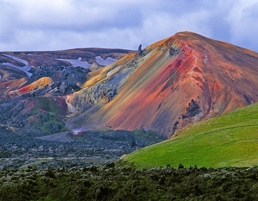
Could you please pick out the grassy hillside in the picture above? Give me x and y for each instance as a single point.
(228, 140)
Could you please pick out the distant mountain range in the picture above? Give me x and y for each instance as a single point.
(165, 87)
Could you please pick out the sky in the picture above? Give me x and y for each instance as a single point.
(39, 25)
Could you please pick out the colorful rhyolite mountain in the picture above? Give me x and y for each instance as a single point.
(174, 82)
(165, 87)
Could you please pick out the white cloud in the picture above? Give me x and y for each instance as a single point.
(242, 19)
(63, 24)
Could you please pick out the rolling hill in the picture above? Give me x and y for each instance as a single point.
(227, 140)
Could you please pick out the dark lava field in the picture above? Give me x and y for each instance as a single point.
(67, 151)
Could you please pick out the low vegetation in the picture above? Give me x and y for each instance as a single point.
(112, 182)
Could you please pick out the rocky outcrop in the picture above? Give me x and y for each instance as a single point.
(139, 52)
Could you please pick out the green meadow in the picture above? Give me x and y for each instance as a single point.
(224, 141)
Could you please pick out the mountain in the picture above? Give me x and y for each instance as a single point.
(16, 65)
(18, 68)
(228, 140)
(164, 88)
(170, 84)
(34, 85)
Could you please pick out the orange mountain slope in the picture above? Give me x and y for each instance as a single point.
(176, 81)
(42, 82)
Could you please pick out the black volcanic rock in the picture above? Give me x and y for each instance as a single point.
(139, 52)
(80, 150)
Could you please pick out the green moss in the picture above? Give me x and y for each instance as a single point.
(228, 140)
(46, 122)
(49, 105)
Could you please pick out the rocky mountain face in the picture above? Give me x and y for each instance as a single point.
(34, 86)
(163, 88)
(169, 85)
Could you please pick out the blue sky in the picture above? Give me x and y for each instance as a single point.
(63, 24)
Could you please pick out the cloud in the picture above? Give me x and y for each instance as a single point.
(242, 19)
(63, 24)
(71, 15)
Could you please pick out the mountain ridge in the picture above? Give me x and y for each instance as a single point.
(165, 87)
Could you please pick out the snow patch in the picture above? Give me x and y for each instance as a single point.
(105, 62)
(85, 64)
(26, 63)
(25, 68)
(77, 62)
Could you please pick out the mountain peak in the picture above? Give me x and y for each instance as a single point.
(183, 79)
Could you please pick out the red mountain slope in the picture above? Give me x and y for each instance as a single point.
(180, 80)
